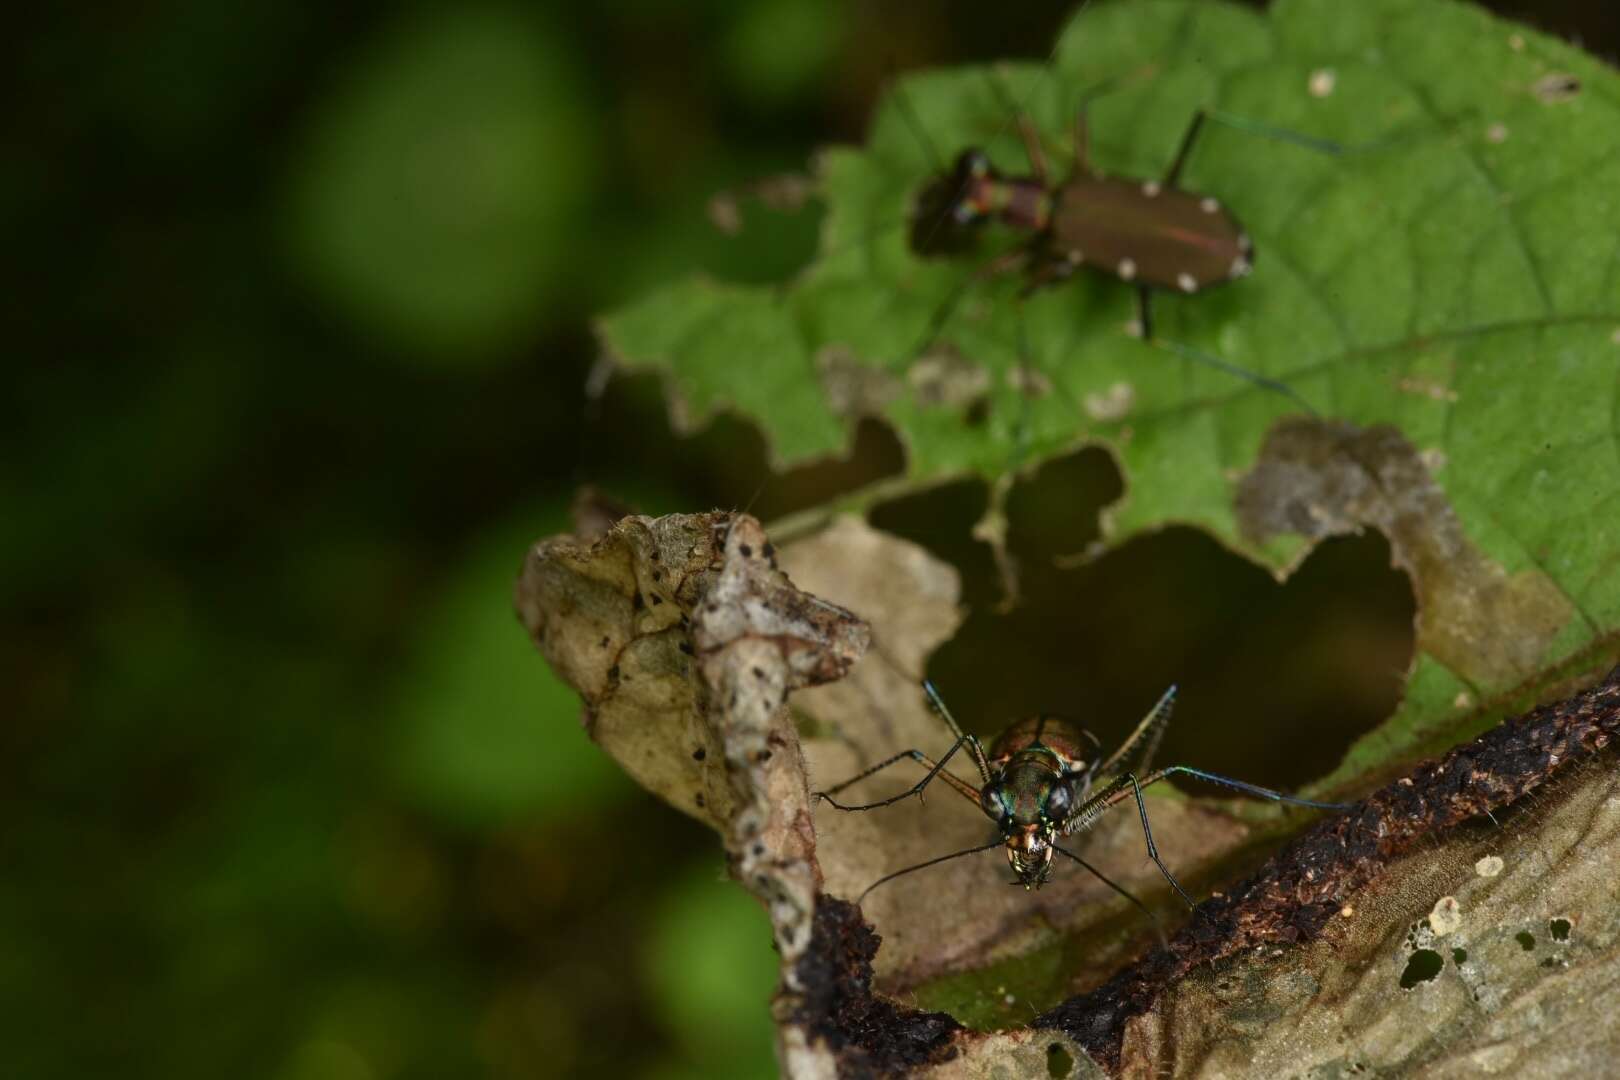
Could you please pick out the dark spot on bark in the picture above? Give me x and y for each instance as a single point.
(604, 643)
(698, 798)
(699, 754)
(686, 647)
(1423, 966)
(637, 603)
(746, 551)
(759, 673)
(870, 1036)
(657, 599)
(613, 673)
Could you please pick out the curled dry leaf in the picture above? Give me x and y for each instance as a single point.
(683, 639)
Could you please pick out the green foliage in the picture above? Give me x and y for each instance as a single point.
(710, 965)
(1450, 273)
(442, 180)
(483, 742)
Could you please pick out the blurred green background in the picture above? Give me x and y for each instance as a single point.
(299, 318)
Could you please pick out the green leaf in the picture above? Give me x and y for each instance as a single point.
(1444, 292)
(488, 734)
(441, 180)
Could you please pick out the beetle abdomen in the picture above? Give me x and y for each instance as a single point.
(1059, 736)
(1144, 233)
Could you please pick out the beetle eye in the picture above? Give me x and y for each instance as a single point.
(990, 800)
(1058, 802)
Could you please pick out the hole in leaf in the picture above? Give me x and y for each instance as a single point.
(1424, 965)
(1054, 515)
(1559, 928)
(941, 519)
(1459, 956)
(1526, 940)
(629, 449)
(1059, 1062)
(1275, 680)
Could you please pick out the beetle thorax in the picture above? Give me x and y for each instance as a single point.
(1028, 779)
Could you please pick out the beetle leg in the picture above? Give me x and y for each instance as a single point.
(1187, 141)
(1032, 148)
(1144, 312)
(1082, 143)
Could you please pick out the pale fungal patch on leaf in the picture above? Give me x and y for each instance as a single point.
(944, 379)
(1029, 380)
(1330, 478)
(1426, 388)
(1322, 81)
(1446, 916)
(1556, 87)
(1114, 403)
(1463, 700)
(1516, 42)
(1496, 133)
(854, 389)
(1489, 866)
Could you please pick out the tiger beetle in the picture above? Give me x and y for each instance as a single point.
(1150, 234)
(1037, 785)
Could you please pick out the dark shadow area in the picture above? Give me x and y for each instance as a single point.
(1275, 680)
(1054, 515)
(629, 449)
(941, 519)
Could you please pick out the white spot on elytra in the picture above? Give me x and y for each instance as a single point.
(1245, 245)
(1489, 866)
(1240, 267)
(1111, 404)
(1127, 269)
(1497, 133)
(1322, 82)
(1186, 282)
(1446, 916)
(1208, 205)
(1151, 188)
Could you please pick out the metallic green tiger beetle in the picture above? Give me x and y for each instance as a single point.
(1038, 786)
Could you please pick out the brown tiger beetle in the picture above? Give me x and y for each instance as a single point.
(1150, 234)
(1037, 786)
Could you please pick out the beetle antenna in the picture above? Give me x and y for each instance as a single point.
(1158, 927)
(924, 866)
(908, 112)
(1276, 386)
